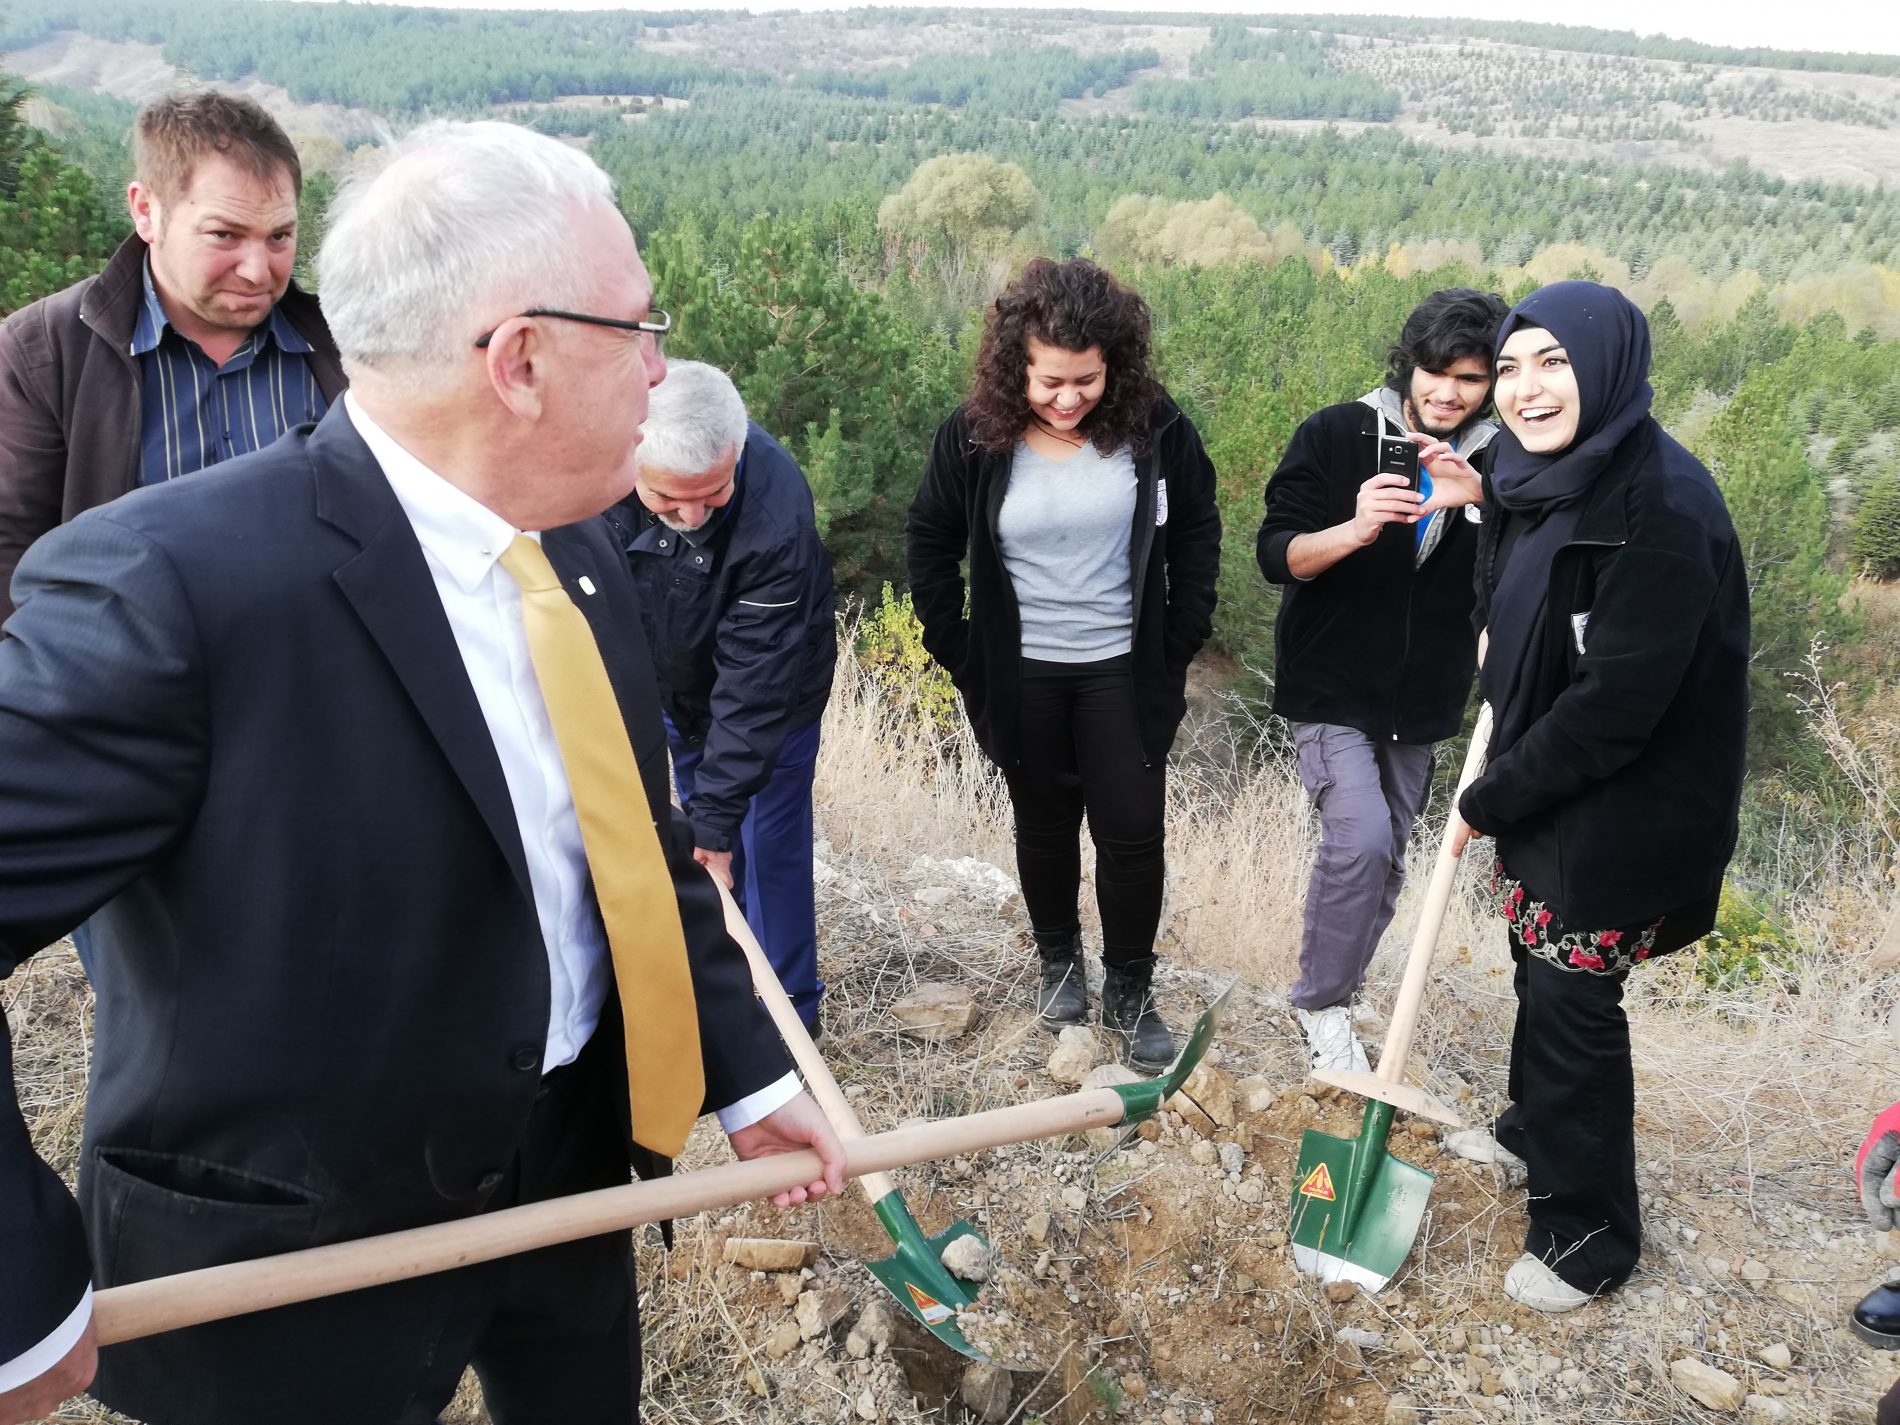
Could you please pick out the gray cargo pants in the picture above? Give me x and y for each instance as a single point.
(1369, 794)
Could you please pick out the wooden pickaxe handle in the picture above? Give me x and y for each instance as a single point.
(818, 1076)
(124, 1313)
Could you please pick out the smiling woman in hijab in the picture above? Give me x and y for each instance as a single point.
(1613, 590)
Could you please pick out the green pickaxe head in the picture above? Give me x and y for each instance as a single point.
(915, 1273)
(1140, 1100)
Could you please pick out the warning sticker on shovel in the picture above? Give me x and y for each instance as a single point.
(1319, 1184)
(928, 1307)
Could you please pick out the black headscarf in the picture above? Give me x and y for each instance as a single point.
(1542, 496)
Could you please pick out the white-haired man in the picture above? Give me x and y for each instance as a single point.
(298, 734)
(736, 592)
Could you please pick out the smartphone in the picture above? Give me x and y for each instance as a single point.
(1399, 456)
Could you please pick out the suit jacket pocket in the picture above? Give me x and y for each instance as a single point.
(151, 1214)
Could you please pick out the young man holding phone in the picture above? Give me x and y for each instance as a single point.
(1374, 650)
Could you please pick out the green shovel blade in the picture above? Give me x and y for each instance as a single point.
(916, 1276)
(1361, 1236)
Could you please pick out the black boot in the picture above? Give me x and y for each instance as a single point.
(1128, 1008)
(1062, 998)
(1877, 1319)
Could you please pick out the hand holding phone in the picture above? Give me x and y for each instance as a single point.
(1399, 456)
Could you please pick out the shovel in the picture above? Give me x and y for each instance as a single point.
(1356, 1208)
(125, 1313)
(914, 1273)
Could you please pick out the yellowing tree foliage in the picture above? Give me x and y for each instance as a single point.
(1213, 233)
(966, 200)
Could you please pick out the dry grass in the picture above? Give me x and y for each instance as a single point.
(1749, 1103)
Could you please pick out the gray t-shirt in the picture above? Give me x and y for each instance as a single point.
(1063, 532)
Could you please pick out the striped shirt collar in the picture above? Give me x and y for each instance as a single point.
(152, 324)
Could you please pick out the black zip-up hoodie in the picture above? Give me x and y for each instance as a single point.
(1373, 643)
(1174, 553)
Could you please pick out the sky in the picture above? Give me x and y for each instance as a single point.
(1864, 25)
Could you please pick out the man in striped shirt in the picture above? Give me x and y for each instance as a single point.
(191, 347)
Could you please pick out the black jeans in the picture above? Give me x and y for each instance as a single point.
(1082, 754)
(553, 1335)
(1573, 1121)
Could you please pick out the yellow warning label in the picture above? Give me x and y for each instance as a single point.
(1319, 1183)
(928, 1307)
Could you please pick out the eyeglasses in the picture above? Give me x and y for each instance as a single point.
(657, 328)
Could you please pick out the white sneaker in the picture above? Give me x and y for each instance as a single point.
(1330, 1042)
(1531, 1283)
(1475, 1145)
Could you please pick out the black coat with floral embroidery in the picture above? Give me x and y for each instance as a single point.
(1618, 803)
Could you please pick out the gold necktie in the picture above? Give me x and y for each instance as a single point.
(631, 881)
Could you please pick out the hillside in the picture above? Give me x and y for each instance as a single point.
(1444, 86)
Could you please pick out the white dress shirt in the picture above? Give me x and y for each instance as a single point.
(462, 541)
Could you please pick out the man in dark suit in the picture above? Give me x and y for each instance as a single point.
(299, 731)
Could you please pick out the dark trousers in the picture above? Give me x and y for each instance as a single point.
(553, 1335)
(1082, 755)
(1888, 1411)
(771, 862)
(1573, 1121)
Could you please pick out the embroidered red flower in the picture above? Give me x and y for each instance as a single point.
(1609, 938)
(1517, 895)
(1586, 960)
(1642, 953)
(1543, 917)
(1530, 936)
(1510, 912)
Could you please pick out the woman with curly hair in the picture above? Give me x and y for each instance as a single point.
(1084, 502)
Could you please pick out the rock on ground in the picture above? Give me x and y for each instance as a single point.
(1076, 1052)
(875, 1323)
(770, 1254)
(985, 1390)
(981, 880)
(821, 1309)
(1107, 1076)
(969, 1258)
(1706, 1385)
(934, 1011)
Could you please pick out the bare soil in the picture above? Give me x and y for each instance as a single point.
(1160, 1288)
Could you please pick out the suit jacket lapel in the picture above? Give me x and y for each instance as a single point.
(389, 586)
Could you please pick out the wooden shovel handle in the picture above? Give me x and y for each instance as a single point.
(147, 1308)
(1418, 964)
(818, 1076)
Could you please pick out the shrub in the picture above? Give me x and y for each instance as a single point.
(890, 643)
(1744, 948)
(1875, 542)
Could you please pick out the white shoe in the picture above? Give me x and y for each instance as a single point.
(1531, 1283)
(1475, 1145)
(1330, 1042)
